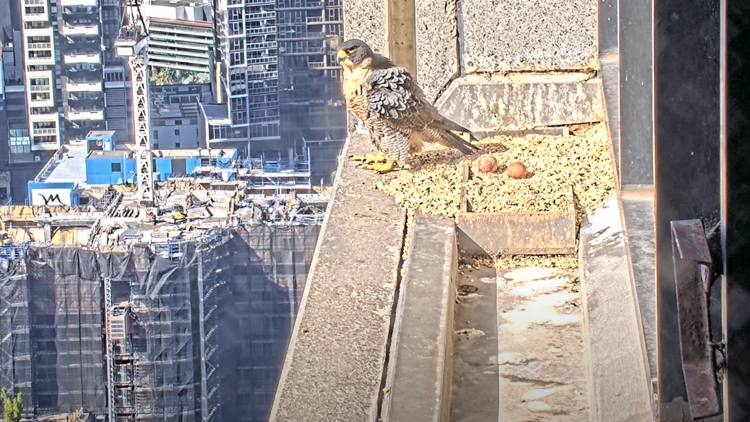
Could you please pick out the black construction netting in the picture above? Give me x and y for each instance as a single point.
(209, 324)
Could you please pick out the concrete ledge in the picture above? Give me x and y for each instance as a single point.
(334, 367)
(421, 360)
(487, 102)
(617, 363)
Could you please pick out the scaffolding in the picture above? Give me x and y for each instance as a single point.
(16, 373)
(188, 331)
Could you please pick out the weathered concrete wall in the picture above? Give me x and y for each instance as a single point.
(485, 102)
(521, 35)
(437, 45)
(366, 20)
(455, 38)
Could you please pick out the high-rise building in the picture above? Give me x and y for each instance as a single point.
(312, 105)
(24, 162)
(275, 75)
(62, 53)
(180, 34)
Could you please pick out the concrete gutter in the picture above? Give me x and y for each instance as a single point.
(421, 360)
(335, 362)
(613, 335)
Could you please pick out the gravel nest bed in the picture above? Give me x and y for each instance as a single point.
(581, 160)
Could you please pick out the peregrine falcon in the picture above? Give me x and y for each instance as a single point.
(393, 108)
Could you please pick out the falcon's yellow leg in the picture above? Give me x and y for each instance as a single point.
(369, 158)
(387, 166)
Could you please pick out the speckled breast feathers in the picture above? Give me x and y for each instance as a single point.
(394, 110)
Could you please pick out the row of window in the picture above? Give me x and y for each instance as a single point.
(155, 134)
(161, 122)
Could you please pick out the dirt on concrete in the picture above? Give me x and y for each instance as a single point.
(541, 359)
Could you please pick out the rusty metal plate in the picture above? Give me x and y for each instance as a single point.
(692, 269)
(516, 233)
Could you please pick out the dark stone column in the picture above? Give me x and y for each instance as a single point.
(636, 146)
(735, 206)
(686, 152)
(607, 26)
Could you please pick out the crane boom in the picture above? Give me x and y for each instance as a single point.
(133, 44)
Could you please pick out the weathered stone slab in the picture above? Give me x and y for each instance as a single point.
(528, 35)
(485, 102)
(367, 20)
(613, 337)
(421, 360)
(437, 45)
(335, 363)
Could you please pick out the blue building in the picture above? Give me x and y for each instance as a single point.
(99, 163)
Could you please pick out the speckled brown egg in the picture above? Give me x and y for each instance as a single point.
(487, 164)
(517, 171)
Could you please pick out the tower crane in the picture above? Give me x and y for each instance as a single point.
(133, 44)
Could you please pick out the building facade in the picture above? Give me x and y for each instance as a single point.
(174, 115)
(62, 53)
(179, 44)
(275, 74)
(181, 34)
(23, 162)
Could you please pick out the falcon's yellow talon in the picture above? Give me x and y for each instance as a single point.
(380, 158)
(381, 167)
(370, 159)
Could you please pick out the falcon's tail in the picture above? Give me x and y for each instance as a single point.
(451, 140)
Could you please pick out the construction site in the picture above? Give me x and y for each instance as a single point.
(147, 284)
(586, 263)
(181, 315)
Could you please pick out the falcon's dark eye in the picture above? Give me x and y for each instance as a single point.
(350, 50)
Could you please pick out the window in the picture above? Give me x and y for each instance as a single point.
(178, 122)
(156, 134)
(116, 167)
(177, 145)
(177, 131)
(236, 59)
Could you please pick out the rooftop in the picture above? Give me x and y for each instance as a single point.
(177, 3)
(68, 165)
(183, 22)
(108, 154)
(163, 107)
(173, 111)
(101, 133)
(194, 153)
(115, 218)
(216, 114)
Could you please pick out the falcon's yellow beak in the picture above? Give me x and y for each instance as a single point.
(341, 55)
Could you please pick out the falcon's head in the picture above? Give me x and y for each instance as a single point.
(353, 53)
